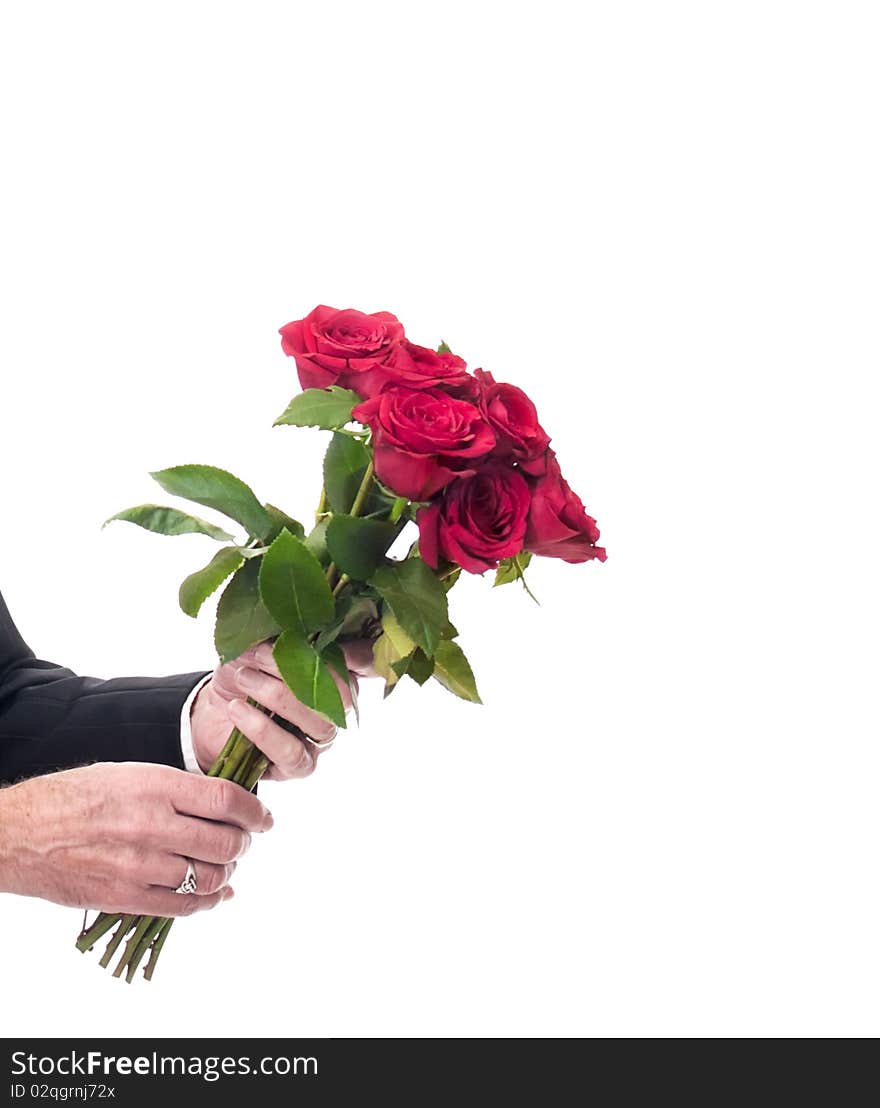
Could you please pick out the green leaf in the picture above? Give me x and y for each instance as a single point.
(196, 588)
(215, 488)
(358, 611)
(293, 586)
(449, 579)
(357, 546)
(417, 599)
(511, 569)
(417, 665)
(353, 615)
(307, 677)
(444, 347)
(333, 656)
(392, 645)
(325, 408)
(281, 519)
(169, 521)
(453, 671)
(345, 463)
(242, 619)
(316, 542)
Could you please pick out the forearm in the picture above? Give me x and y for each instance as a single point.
(13, 837)
(50, 719)
(67, 721)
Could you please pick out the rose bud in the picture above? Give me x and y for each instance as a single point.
(558, 525)
(423, 438)
(333, 347)
(514, 419)
(477, 520)
(416, 367)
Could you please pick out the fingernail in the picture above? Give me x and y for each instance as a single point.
(268, 822)
(237, 710)
(246, 677)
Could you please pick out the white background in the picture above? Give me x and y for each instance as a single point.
(660, 219)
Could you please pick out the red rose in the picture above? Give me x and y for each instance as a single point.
(558, 525)
(423, 438)
(333, 347)
(514, 419)
(477, 520)
(417, 367)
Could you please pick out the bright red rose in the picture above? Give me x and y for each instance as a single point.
(334, 347)
(423, 438)
(514, 419)
(558, 524)
(417, 367)
(477, 520)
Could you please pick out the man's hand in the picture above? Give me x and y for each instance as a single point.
(117, 836)
(222, 704)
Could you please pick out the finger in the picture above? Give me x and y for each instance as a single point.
(205, 841)
(287, 753)
(272, 693)
(138, 900)
(171, 870)
(164, 902)
(211, 798)
(159, 867)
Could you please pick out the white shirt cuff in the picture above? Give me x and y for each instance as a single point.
(186, 740)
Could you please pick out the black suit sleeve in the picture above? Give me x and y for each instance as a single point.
(51, 719)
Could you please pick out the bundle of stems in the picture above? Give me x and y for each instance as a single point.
(239, 761)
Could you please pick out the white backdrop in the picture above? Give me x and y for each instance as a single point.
(661, 220)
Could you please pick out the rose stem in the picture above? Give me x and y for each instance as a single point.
(143, 946)
(340, 584)
(359, 500)
(121, 931)
(156, 948)
(100, 927)
(131, 945)
(322, 504)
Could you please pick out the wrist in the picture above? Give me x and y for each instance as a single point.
(13, 835)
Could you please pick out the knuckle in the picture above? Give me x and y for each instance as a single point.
(213, 879)
(222, 796)
(258, 729)
(229, 845)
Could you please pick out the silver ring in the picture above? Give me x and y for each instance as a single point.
(320, 745)
(189, 884)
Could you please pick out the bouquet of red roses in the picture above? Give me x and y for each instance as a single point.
(415, 438)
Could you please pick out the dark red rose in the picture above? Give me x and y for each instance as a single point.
(423, 438)
(558, 525)
(514, 419)
(417, 367)
(477, 520)
(334, 347)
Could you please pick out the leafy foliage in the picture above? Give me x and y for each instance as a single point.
(325, 408)
(196, 588)
(358, 546)
(169, 521)
(242, 619)
(293, 586)
(307, 676)
(215, 488)
(345, 464)
(453, 671)
(416, 598)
